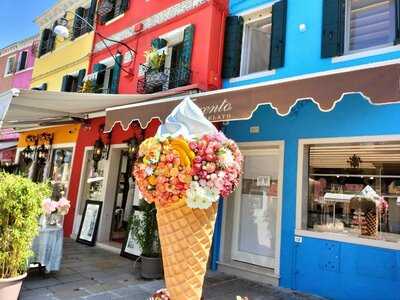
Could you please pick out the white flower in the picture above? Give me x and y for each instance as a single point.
(200, 197)
(226, 157)
(149, 171)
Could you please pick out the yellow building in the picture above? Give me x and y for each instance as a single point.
(62, 62)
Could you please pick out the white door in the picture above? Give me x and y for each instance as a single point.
(257, 205)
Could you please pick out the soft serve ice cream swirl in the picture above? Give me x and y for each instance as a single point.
(186, 120)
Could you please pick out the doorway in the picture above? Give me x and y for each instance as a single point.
(257, 205)
(124, 199)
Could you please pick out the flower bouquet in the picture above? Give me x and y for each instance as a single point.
(54, 211)
(185, 169)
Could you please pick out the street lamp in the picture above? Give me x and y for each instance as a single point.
(62, 30)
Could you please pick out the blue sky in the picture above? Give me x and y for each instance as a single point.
(16, 19)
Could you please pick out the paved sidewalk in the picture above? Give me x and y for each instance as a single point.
(95, 274)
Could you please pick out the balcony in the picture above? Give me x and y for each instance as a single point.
(155, 81)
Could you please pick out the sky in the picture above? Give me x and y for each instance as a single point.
(16, 19)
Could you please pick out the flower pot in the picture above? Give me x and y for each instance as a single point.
(10, 287)
(151, 267)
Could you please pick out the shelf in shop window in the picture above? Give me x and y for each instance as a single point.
(355, 175)
(94, 179)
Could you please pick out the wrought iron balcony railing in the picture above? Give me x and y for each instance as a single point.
(155, 81)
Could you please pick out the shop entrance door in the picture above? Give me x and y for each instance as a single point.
(257, 209)
(123, 203)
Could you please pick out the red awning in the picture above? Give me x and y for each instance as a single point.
(378, 84)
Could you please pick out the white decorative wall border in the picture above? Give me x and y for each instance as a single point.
(58, 10)
(18, 45)
(157, 19)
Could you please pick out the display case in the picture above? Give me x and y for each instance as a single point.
(354, 189)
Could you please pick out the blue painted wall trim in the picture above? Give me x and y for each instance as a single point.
(359, 272)
(217, 236)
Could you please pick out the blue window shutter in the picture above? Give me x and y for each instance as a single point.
(67, 83)
(100, 70)
(232, 47)
(334, 13)
(116, 75)
(77, 28)
(81, 77)
(278, 35)
(397, 5)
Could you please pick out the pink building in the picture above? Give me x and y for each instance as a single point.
(16, 64)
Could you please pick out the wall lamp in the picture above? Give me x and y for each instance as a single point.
(98, 149)
(62, 30)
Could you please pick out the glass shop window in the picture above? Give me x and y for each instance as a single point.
(369, 23)
(94, 180)
(60, 172)
(353, 189)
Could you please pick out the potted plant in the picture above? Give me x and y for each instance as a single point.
(20, 209)
(144, 231)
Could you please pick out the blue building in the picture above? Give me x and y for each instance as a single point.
(318, 209)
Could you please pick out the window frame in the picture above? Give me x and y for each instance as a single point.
(6, 70)
(244, 57)
(19, 61)
(346, 42)
(302, 192)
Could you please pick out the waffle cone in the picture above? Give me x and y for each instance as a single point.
(186, 237)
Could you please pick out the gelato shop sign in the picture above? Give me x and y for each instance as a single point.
(217, 111)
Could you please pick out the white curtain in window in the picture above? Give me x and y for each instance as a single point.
(258, 40)
(372, 23)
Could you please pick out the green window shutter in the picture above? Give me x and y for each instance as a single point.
(66, 85)
(100, 70)
(124, 6)
(92, 13)
(232, 47)
(116, 75)
(44, 41)
(77, 29)
(334, 13)
(186, 59)
(188, 36)
(81, 77)
(397, 5)
(278, 35)
(158, 43)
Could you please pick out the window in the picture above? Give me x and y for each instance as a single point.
(73, 82)
(60, 172)
(353, 189)
(23, 56)
(119, 8)
(10, 65)
(256, 43)
(369, 23)
(47, 41)
(354, 25)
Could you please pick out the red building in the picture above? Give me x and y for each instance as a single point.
(185, 39)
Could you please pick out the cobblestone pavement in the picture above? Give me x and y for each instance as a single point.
(95, 274)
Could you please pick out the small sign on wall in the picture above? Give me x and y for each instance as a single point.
(263, 181)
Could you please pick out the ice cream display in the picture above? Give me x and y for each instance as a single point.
(185, 170)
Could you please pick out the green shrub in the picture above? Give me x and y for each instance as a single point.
(144, 230)
(20, 208)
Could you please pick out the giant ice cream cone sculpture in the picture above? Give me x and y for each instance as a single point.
(184, 170)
